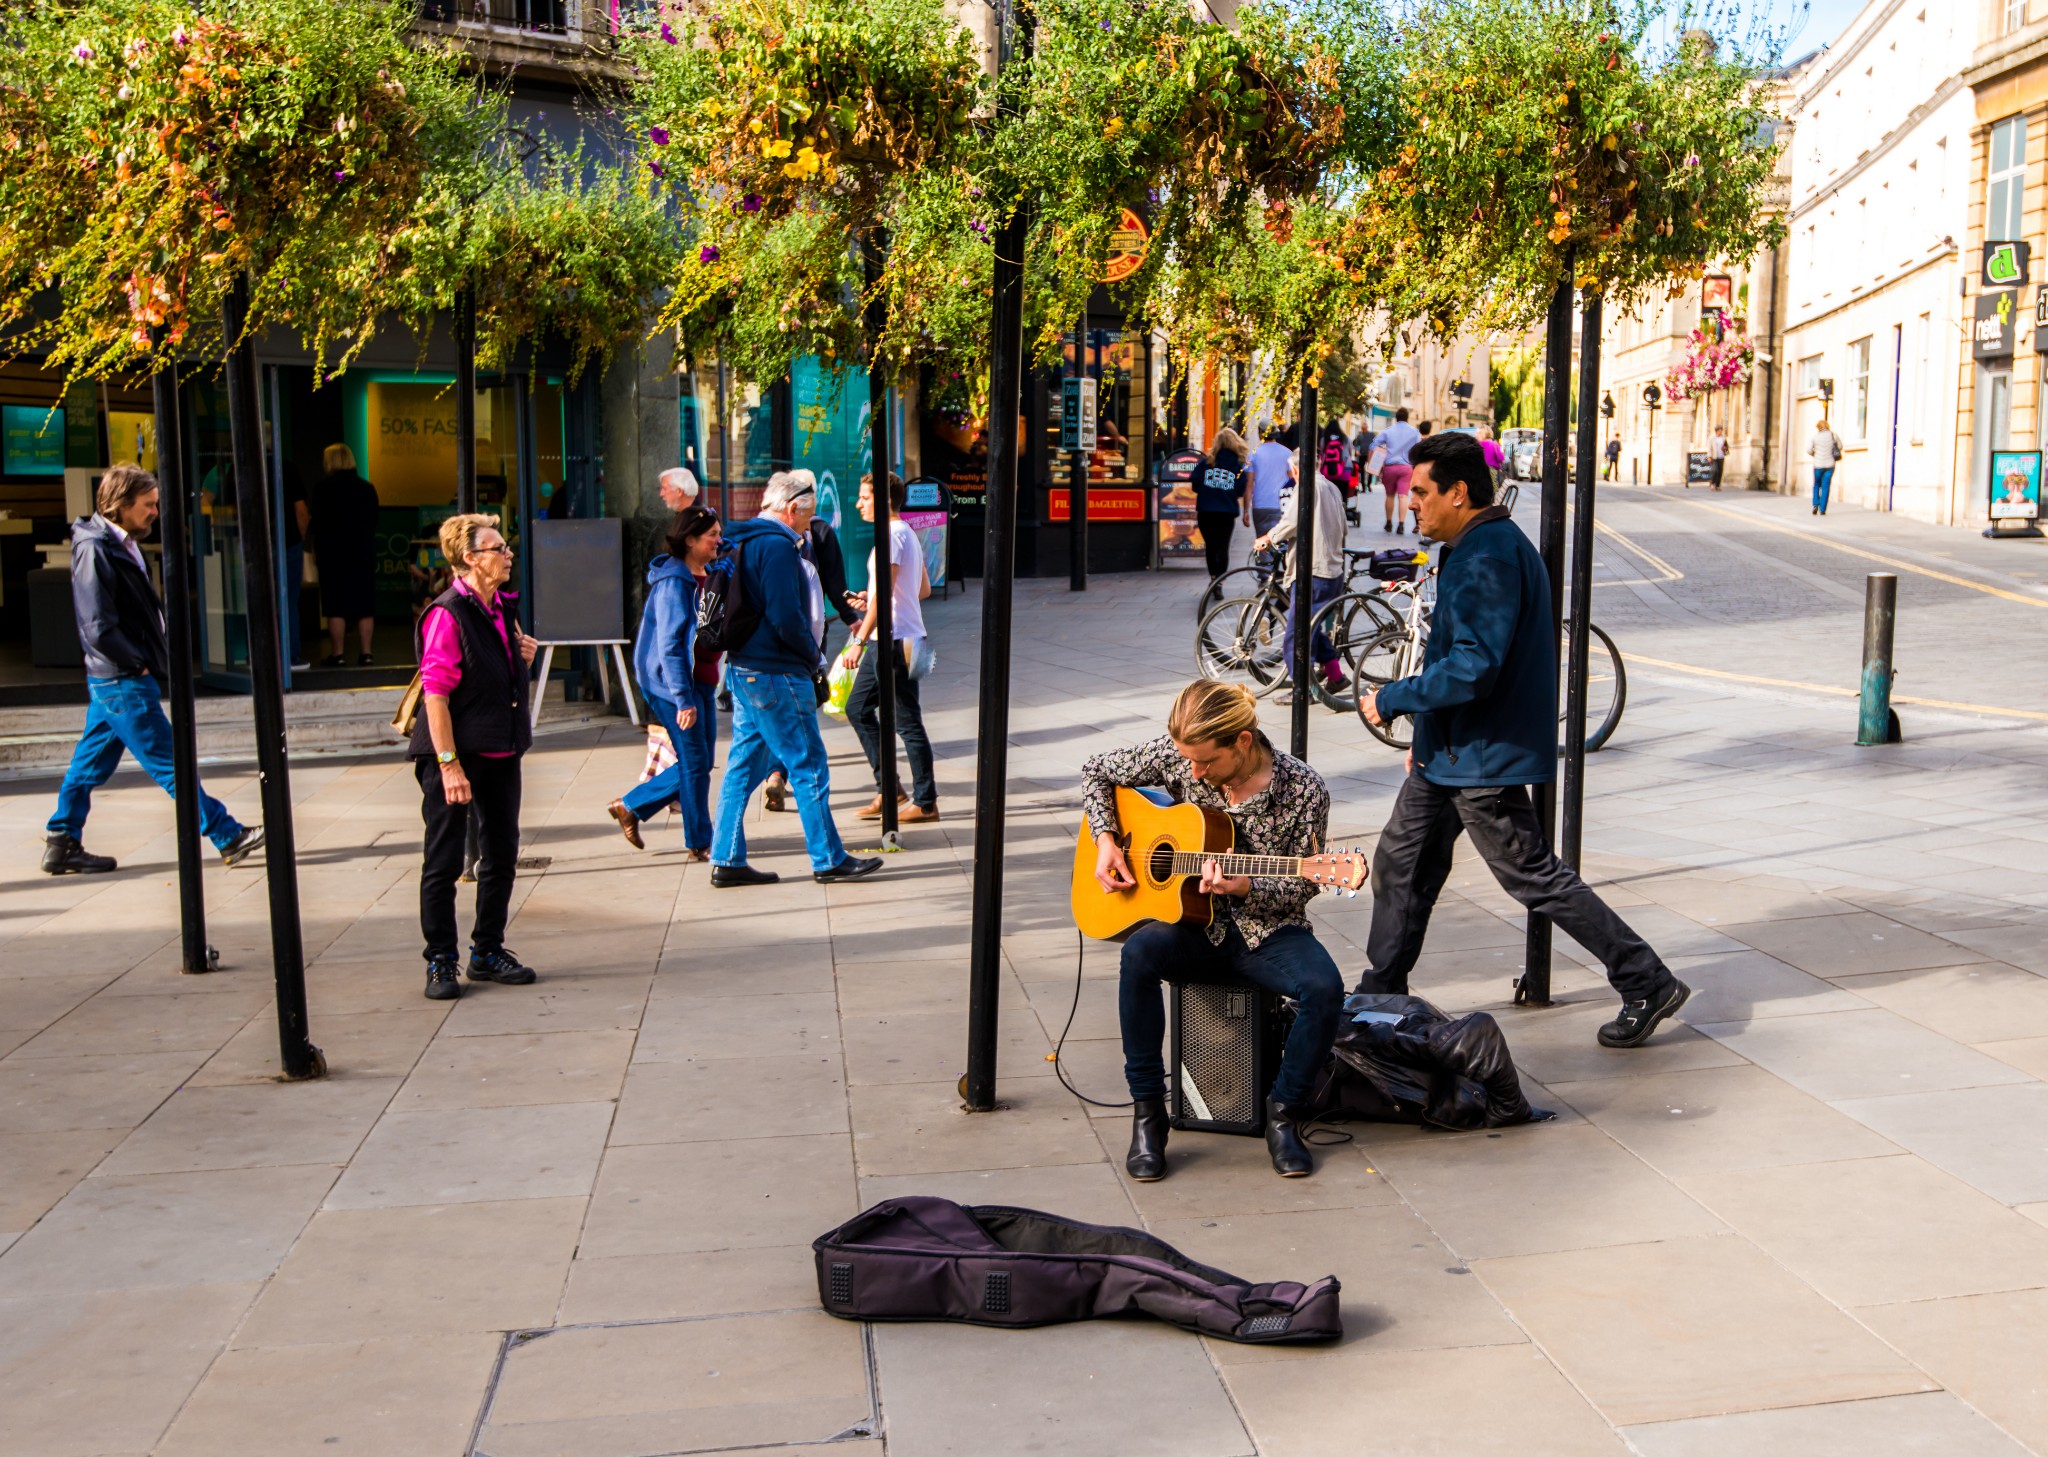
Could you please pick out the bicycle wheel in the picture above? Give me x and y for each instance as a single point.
(1349, 622)
(1238, 641)
(1238, 582)
(1606, 689)
(1375, 664)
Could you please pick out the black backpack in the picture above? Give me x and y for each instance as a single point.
(726, 617)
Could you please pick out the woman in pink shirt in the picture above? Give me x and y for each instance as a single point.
(472, 729)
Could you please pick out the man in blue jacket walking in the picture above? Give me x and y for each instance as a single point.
(1485, 712)
(772, 675)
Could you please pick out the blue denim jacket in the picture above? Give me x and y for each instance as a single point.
(664, 656)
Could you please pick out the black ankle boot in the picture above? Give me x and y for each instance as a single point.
(1291, 1158)
(1147, 1159)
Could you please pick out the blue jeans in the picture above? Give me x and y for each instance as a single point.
(687, 782)
(775, 721)
(1290, 962)
(1325, 591)
(125, 713)
(1823, 477)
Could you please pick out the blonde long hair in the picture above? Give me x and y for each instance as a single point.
(1213, 713)
(1228, 439)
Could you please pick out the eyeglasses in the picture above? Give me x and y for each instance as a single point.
(484, 550)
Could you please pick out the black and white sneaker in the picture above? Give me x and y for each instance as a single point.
(235, 851)
(500, 966)
(1632, 1028)
(443, 985)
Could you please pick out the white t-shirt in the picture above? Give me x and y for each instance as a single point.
(906, 564)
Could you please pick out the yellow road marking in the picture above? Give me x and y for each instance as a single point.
(1657, 563)
(1755, 520)
(1833, 691)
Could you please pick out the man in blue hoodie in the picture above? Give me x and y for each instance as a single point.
(773, 676)
(1485, 712)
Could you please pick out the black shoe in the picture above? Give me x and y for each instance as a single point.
(334, 660)
(724, 876)
(853, 867)
(442, 983)
(235, 851)
(63, 855)
(1639, 1019)
(1401, 529)
(1291, 1158)
(364, 660)
(499, 966)
(1146, 1162)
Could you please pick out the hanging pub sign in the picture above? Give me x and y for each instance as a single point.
(1996, 325)
(2006, 264)
(1717, 293)
(1127, 244)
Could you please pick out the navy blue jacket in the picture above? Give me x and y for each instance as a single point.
(120, 617)
(664, 657)
(772, 577)
(1485, 702)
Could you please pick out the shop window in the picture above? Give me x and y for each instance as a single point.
(2006, 181)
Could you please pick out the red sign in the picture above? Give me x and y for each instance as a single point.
(1103, 505)
(1127, 244)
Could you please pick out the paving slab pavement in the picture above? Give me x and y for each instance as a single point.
(1810, 1218)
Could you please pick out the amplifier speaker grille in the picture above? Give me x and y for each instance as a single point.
(1225, 1054)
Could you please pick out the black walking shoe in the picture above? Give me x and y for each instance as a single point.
(1146, 1162)
(63, 855)
(499, 966)
(235, 851)
(1291, 1158)
(442, 983)
(1639, 1019)
(726, 876)
(853, 867)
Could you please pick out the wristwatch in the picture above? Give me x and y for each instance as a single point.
(445, 756)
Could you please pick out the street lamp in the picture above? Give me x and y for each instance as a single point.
(1653, 401)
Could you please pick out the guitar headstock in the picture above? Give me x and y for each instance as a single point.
(1344, 871)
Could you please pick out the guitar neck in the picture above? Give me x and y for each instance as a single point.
(1185, 864)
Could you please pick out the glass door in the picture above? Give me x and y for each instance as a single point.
(217, 535)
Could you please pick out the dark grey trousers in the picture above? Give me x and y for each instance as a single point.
(1414, 859)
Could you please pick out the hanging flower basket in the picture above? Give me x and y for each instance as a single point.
(1711, 364)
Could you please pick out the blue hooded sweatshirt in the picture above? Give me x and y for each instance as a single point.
(664, 657)
(772, 577)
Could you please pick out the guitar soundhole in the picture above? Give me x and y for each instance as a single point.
(1161, 863)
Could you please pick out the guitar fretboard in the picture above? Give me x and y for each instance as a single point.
(1186, 864)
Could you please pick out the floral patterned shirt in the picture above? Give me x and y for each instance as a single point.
(1289, 816)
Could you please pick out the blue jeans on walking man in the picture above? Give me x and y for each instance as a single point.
(687, 782)
(1823, 477)
(1291, 962)
(775, 721)
(126, 713)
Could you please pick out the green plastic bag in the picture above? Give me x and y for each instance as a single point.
(839, 682)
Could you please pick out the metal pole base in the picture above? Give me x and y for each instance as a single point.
(212, 964)
(318, 1069)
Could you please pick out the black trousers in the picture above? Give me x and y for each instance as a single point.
(495, 785)
(1217, 527)
(1414, 859)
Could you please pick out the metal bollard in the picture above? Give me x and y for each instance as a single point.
(1875, 721)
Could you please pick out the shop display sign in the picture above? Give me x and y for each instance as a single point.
(2041, 319)
(34, 443)
(1179, 536)
(1997, 315)
(1128, 242)
(2006, 265)
(925, 511)
(1077, 413)
(2015, 485)
(1103, 504)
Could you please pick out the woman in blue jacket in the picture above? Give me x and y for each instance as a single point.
(679, 684)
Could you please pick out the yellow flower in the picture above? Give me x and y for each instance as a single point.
(754, 127)
(1111, 127)
(775, 148)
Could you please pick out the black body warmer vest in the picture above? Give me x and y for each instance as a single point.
(490, 701)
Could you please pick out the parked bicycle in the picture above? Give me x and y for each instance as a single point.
(1242, 638)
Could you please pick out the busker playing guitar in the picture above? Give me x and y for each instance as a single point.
(1214, 756)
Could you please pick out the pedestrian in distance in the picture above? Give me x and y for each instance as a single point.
(1614, 458)
(1717, 454)
(127, 666)
(1496, 458)
(909, 662)
(775, 674)
(1222, 496)
(680, 685)
(345, 510)
(1327, 572)
(819, 544)
(474, 727)
(678, 487)
(1485, 713)
(1826, 450)
(1397, 440)
(1273, 471)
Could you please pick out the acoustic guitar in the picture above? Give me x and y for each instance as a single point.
(1167, 845)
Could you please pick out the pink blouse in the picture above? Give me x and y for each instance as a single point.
(441, 650)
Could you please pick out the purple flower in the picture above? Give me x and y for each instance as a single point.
(708, 253)
(1105, 27)
(1692, 159)
(667, 34)
(179, 36)
(340, 176)
(751, 202)
(656, 169)
(82, 50)
(658, 135)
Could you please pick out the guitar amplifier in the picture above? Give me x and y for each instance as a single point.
(1223, 1054)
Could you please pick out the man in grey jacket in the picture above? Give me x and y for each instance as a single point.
(127, 662)
(1327, 568)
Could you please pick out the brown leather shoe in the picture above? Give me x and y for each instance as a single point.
(629, 823)
(874, 809)
(918, 815)
(697, 856)
(775, 794)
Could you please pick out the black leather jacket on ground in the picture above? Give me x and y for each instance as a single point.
(120, 617)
